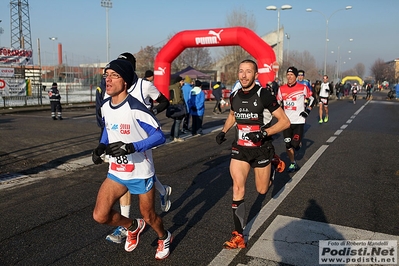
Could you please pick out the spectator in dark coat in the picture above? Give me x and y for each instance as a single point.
(217, 93)
(275, 86)
(55, 102)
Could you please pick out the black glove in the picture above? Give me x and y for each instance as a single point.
(255, 136)
(97, 152)
(221, 137)
(154, 111)
(305, 113)
(119, 148)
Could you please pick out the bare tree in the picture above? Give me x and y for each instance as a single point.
(231, 56)
(349, 72)
(145, 59)
(389, 73)
(302, 61)
(360, 69)
(379, 71)
(198, 58)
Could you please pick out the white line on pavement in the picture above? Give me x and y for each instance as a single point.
(226, 256)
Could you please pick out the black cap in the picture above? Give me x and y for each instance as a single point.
(129, 57)
(54, 84)
(148, 73)
(178, 79)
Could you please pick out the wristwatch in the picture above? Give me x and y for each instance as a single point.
(264, 133)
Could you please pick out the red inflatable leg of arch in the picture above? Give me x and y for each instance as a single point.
(241, 36)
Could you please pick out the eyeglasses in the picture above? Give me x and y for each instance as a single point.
(112, 76)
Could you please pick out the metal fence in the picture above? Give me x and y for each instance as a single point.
(69, 94)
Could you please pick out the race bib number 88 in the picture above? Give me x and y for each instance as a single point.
(122, 164)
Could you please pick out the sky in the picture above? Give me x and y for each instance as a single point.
(80, 26)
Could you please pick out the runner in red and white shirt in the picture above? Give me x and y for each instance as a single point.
(293, 97)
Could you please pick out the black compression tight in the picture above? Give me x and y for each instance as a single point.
(238, 215)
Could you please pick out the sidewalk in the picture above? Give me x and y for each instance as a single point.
(33, 108)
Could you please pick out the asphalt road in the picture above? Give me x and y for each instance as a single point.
(48, 188)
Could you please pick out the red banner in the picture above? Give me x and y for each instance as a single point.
(15, 57)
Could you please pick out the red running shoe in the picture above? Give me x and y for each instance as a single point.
(236, 241)
(132, 238)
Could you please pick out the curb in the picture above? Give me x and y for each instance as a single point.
(22, 109)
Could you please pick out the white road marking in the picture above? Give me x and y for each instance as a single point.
(295, 241)
(338, 132)
(331, 139)
(225, 257)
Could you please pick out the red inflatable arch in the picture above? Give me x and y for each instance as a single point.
(241, 36)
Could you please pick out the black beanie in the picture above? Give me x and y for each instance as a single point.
(293, 70)
(54, 84)
(129, 57)
(123, 68)
(148, 73)
(198, 83)
(178, 79)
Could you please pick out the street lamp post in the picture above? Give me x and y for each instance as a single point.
(274, 8)
(54, 58)
(339, 58)
(107, 4)
(288, 46)
(1, 32)
(336, 67)
(327, 19)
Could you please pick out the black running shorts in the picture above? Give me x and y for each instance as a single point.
(255, 156)
(293, 135)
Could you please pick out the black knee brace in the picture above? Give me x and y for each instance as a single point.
(288, 144)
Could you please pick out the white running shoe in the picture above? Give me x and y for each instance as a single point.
(163, 249)
(165, 201)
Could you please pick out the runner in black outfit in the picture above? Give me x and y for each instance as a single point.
(252, 110)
